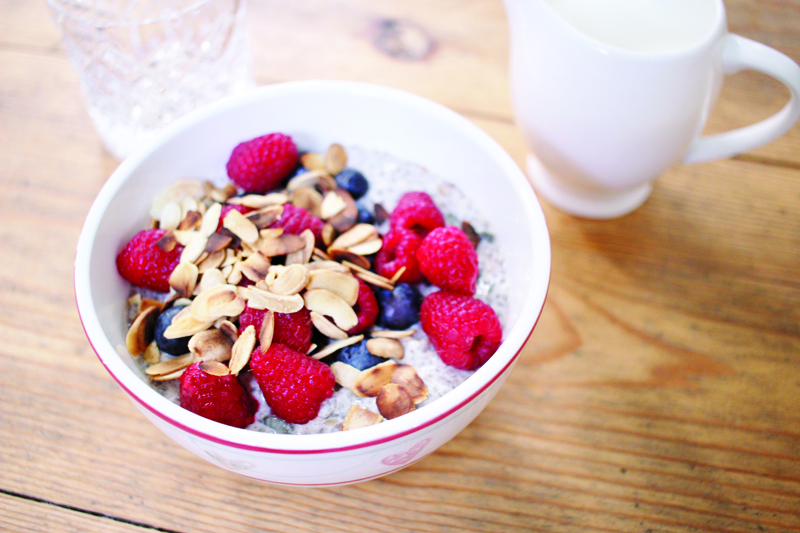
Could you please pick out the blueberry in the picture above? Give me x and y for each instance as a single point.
(358, 356)
(170, 346)
(399, 307)
(353, 182)
(364, 216)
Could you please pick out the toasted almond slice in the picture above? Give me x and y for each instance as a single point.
(280, 303)
(330, 304)
(326, 327)
(218, 195)
(191, 221)
(393, 401)
(184, 237)
(303, 256)
(210, 278)
(396, 277)
(345, 375)
(388, 348)
(349, 257)
(169, 377)
(255, 267)
(146, 303)
(355, 235)
(214, 368)
(180, 302)
(211, 220)
(229, 329)
(185, 325)
(370, 381)
(235, 274)
(312, 161)
(309, 199)
(291, 281)
(335, 159)
(265, 217)
(171, 365)
(312, 178)
(230, 258)
(190, 204)
(135, 300)
(320, 255)
(281, 245)
(241, 226)
(337, 345)
(327, 265)
(152, 354)
(211, 345)
(242, 350)
(392, 334)
(217, 242)
(194, 248)
(341, 284)
(358, 417)
(381, 214)
(345, 219)
(332, 205)
(212, 262)
(374, 280)
(184, 278)
(311, 349)
(170, 216)
(216, 302)
(368, 247)
(142, 331)
(328, 234)
(361, 270)
(176, 193)
(407, 377)
(260, 201)
(267, 330)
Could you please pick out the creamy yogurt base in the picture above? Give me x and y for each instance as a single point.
(389, 178)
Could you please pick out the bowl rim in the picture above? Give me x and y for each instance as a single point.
(389, 430)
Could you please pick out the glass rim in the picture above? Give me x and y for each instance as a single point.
(90, 16)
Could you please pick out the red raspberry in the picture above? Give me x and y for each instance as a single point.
(218, 398)
(145, 264)
(259, 165)
(296, 219)
(417, 212)
(447, 258)
(227, 208)
(366, 309)
(399, 249)
(291, 329)
(294, 385)
(464, 331)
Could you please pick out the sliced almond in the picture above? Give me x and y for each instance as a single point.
(261, 299)
(267, 330)
(327, 265)
(234, 274)
(211, 220)
(281, 245)
(332, 205)
(229, 329)
(328, 234)
(146, 303)
(335, 159)
(313, 178)
(368, 247)
(184, 278)
(241, 226)
(358, 417)
(217, 242)
(303, 256)
(345, 375)
(320, 255)
(169, 377)
(216, 302)
(312, 161)
(210, 278)
(142, 331)
(291, 281)
(194, 248)
(151, 354)
(211, 345)
(330, 304)
(309, 199)
(381, 214)
(265, 217)
(190, 204)
(260, 201)
(393, 401)
(355, 235)
(349, 257)
(343, 285)
(214, 368)
(337, 345)
(361, 270)
(171, 365)
(407, 377)
(396, 277)
(326, 327)
(345, 219)
(374, 280)
(176, 193)
(242, 350)
(370, 381)
(191, 221)
(170, 216)
(387, 348)
(185, 325)
(473, 236)
(212, 262)
(184, 237)
(255, 267)
(392, 334)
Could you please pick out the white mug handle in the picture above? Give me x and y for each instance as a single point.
(741, 53)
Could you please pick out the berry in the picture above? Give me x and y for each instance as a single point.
(296, 219)
(291, 329)
(417, 212)
(399, 250)
(353, 182)
(227, 208)
(364, 216)
(447, 258)
(358, 356)
(399, 307)
(143, 263)
(464, 331)
(259, 165)
(178, 346)
(366, 309)
(218, 398)
(293, 385)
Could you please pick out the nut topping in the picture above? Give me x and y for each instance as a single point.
(214, 368)
(330, 304)
(335, 159)
(280, 303)
(171, 365)
(358, 417)
(291, 281)
(387, 348)
(326, 327)
(242, 350)
(370, 381)
(184, 278)
(142, 331)
(393, 401)
(217, 302)
(343, 285)
(337, 345)
(240, 226)
(407, 377)
(355, 235)
(211, 345)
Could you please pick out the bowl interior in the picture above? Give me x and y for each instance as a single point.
(316, 115)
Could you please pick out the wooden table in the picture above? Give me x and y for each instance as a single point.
(659, 392)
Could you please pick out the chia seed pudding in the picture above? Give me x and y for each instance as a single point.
(389, 178)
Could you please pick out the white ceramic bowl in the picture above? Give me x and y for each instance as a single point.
(316, 114)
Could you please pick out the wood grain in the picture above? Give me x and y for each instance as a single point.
(658, 393)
